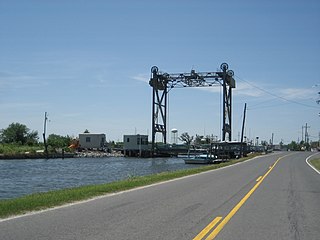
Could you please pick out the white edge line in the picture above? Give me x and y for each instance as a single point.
(118, 193)
(310, 165)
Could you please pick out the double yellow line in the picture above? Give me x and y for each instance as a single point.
(221, 225)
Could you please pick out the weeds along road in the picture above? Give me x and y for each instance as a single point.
(276, 196)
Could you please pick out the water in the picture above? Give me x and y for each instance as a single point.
(22, 177)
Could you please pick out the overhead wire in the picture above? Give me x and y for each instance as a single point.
(274, 95)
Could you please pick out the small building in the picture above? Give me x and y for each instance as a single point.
(92, 140)
(136, 145)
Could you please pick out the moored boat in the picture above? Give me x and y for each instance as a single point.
(199, 159)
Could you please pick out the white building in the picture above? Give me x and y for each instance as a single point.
(135, 145)
(92, 140)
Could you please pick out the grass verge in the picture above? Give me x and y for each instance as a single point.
(40, 201)
(316, 163)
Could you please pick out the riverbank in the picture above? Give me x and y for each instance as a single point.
(97, 154)
(40, 201)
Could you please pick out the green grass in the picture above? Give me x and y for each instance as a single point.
(40, 201)
(316, 163)
(13, 149)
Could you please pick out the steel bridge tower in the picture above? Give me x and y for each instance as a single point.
(161, 83)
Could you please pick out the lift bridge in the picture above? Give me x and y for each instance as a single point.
(162, 83)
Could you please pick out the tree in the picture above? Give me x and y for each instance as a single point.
(18, 133)
(198, 139)
(281, 144)
(294, 146)
(57, 141)
(186, 138)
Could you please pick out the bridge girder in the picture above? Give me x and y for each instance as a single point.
(162, 83)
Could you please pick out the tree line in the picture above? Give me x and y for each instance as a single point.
(19, 134)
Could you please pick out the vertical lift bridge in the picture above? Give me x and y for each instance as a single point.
(162, 83)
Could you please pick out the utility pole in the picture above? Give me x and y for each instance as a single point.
(242, 131)
(306, 133)
(44, 135)
(243, 122)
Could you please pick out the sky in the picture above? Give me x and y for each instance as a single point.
(87, 64)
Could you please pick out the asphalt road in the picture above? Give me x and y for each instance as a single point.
(283, 204)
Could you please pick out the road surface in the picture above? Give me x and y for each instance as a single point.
(276, 196)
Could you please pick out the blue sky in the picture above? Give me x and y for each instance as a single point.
(87, 63)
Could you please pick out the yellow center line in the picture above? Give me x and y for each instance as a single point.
(207, 228)
(221, 225)
(258, 179)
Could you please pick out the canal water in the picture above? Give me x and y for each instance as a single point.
(22, 177)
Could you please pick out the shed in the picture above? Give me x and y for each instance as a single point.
(135, 145)
(92, 140)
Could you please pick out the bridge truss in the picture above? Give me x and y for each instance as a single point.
(162, 83)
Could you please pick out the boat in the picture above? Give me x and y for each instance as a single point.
(199, 159)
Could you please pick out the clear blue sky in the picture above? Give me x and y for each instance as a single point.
(87, 63)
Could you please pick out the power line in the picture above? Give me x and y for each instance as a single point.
(268, 106)
(275, 95)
